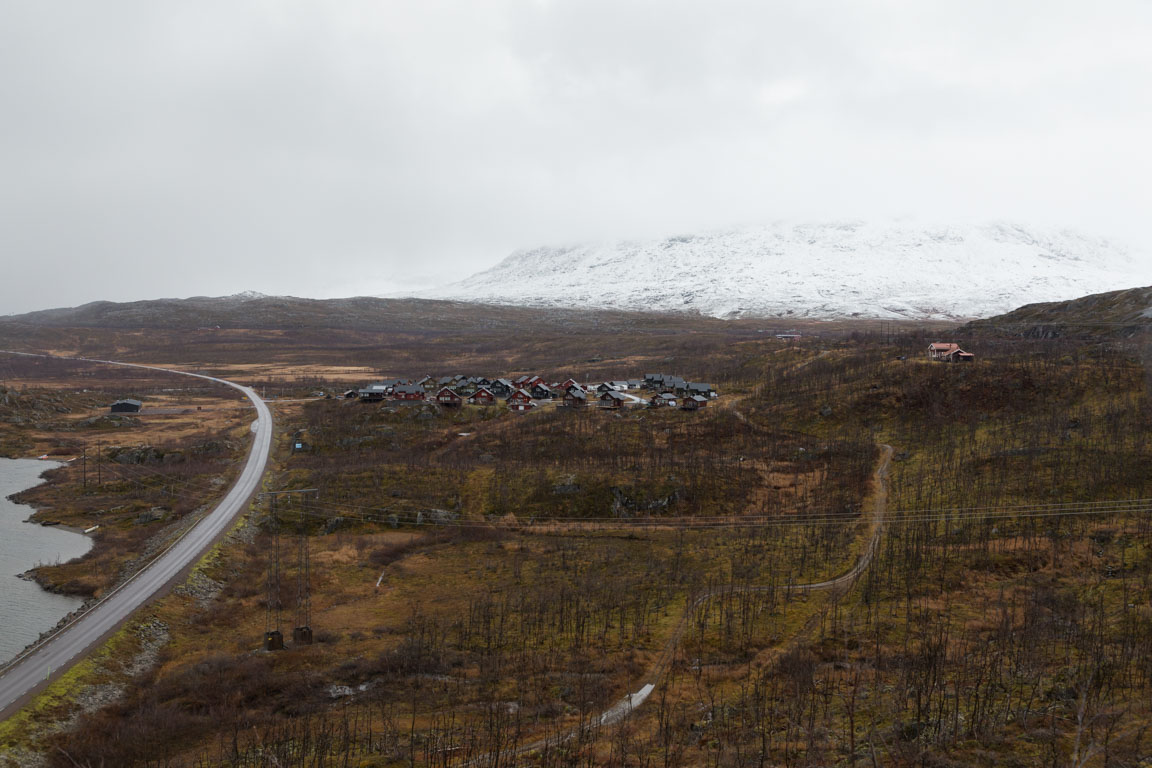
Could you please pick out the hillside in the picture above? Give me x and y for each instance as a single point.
(1115, 313)
(824, 271)
(256, 311)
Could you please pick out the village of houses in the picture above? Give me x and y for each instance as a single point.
(522, 394)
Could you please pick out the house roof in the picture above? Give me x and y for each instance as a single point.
(407, 389)
(449, 391)
(576, 393)
(129, 401)
(940, 346)
(614, 396)
(485, 390)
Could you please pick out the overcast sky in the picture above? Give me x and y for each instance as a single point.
(158, 148)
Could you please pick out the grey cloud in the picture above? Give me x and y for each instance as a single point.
(337, 148)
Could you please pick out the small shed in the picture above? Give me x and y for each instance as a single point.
(126, 406)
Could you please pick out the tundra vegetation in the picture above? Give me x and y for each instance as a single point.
(486, 585)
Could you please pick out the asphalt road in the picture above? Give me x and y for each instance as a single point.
(33, 669)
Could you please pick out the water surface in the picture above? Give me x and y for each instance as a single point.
(26, 610)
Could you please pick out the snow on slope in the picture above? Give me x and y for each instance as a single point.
(826, 270)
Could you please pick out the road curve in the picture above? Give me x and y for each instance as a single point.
(35, 668)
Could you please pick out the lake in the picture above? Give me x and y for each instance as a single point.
(25, 608)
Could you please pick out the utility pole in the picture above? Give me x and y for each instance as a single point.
(273, 637)
(302, 633)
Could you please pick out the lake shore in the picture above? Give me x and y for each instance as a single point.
(30, 607)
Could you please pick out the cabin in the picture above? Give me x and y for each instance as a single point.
(350, 394)
(378, 391)
(660, 382)
(939, 350)
(501, 387)
(449, 398)
(663, 400)
(959, 356)
(541, 391)
(699, 388)
(408, 392)
(568, 384)
(520, 406)
(613, 400)
(527, 381)
(694, 402)
(519, 396)
(126, 406)
(575, 398)
(482, 396)
(949, 353)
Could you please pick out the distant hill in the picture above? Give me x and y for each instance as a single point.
(1115, 313)
(829, 270)
(256, 311)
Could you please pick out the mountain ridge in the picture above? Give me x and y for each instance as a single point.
(1123, 313)
(837, 270)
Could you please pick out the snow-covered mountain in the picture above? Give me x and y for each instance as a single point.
(822, 270)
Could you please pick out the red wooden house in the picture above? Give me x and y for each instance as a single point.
(482, 396)
(520, 401)
(448, 397)
(408, 392)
